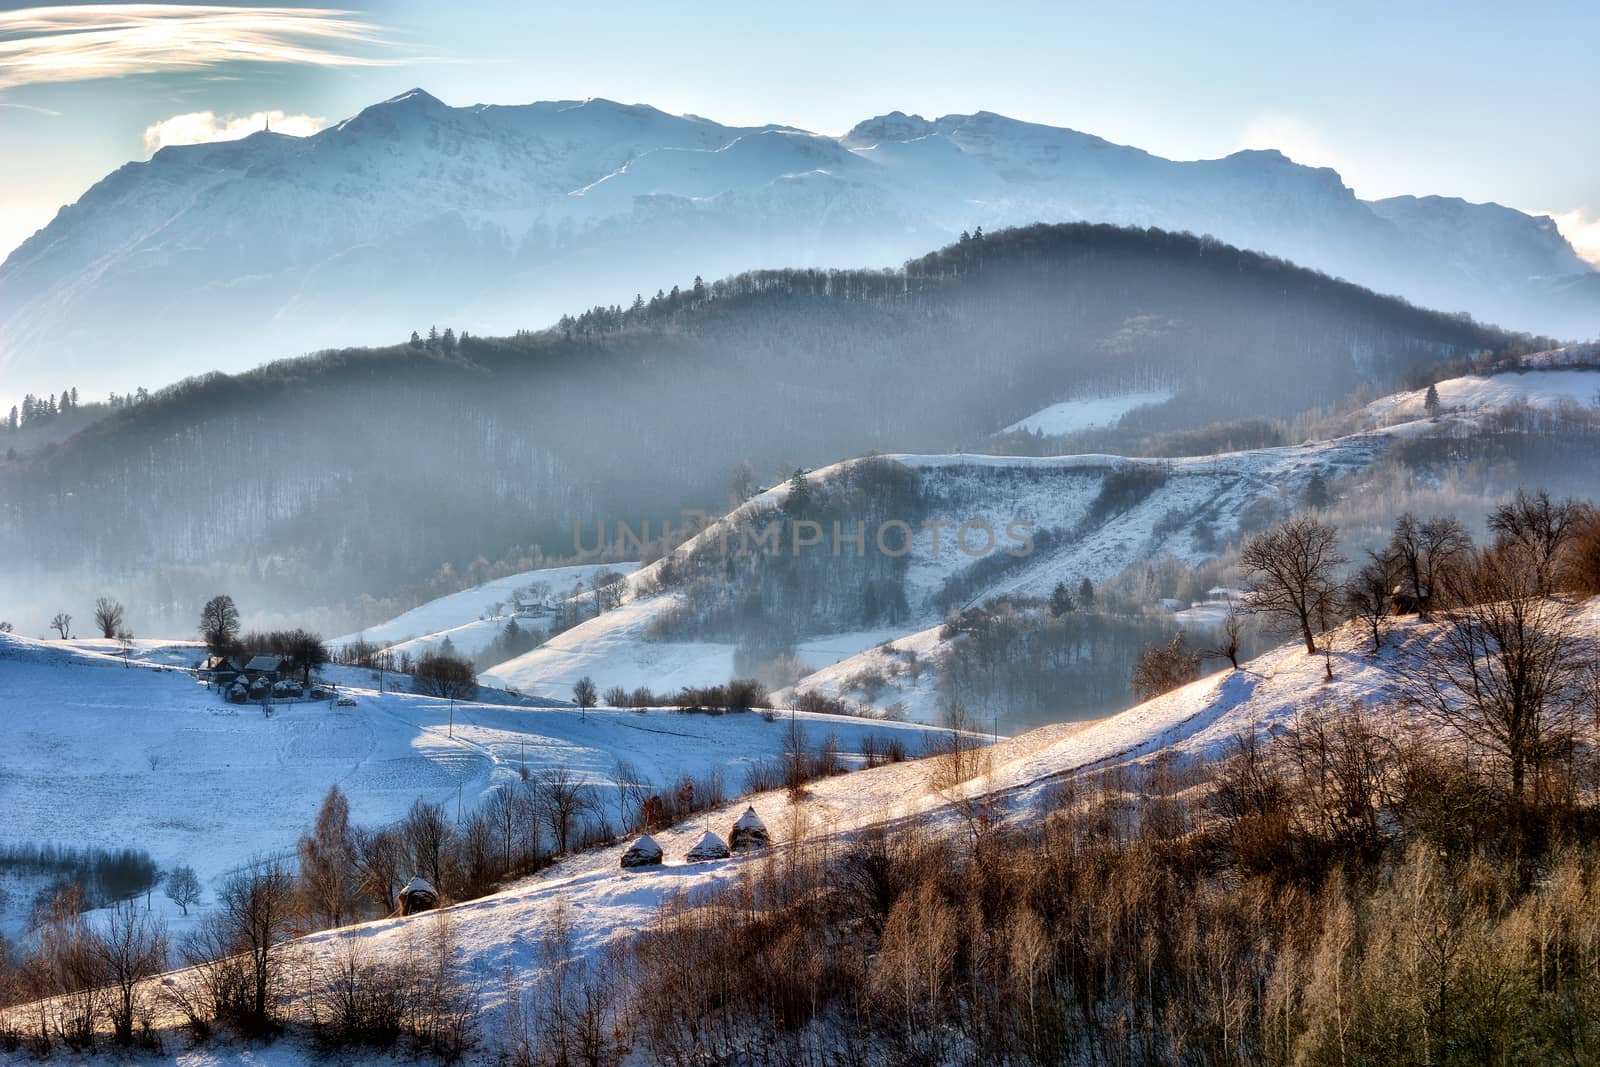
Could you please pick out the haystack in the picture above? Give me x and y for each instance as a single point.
(418, 895)
(711, 847)
(642, 853)
(749, 832)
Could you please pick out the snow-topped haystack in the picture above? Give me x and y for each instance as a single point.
(418, 895)
(711, 847)
(642, 853)
(749, 832)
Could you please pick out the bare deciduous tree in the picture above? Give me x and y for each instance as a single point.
(609, 590)
(428, 835)
(107, 616)
(328, 861)
(219, 623)
(742, 486)
(438, 674)
(131, 948)
(62, 624)
(1230, 637)
(1424, 554)
(380, 855)
(633, 791)
(1163, 668)
(256, 910)
(563, 799)
(1365, 595)
(584, 693)
(182, 886)
(1540, 529)
(1291, 571)
(1506, 669)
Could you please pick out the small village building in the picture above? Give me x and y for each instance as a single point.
(267, 667)
(644, 852)
(417, 895)
(710, 847)
(221, 671)
(749, 832)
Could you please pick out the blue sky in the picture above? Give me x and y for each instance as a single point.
(1465, 99)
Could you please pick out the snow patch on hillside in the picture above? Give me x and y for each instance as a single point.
(1071, 416)
(473, 618)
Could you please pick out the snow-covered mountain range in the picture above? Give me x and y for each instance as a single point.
(493, 218)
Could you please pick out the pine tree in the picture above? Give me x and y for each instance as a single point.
(1430, 402)
(416, 340)
(1317, 492)
(1086, 594)
(798, 502)
(1061, 600)
(13, 421)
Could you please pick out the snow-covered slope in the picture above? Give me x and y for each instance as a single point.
(1070, 416)
(474, 617)
(496, 218)
(1538, 388)
(97, 752)
(600, 902)
(1196, 501)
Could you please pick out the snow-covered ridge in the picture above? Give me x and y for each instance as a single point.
(1546, 386)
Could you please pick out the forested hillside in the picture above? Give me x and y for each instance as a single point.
(310, 482)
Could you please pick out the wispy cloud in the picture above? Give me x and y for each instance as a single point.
(201, 127)
(32, 108)
(1581, 228)
(84, 41)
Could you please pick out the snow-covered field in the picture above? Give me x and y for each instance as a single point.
(102, 753)
(1070, 416)
(1551, 388)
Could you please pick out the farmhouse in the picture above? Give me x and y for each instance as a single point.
(265, 667)
(223, 671)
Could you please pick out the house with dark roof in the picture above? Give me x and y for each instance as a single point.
(265, 667)
(221, 670)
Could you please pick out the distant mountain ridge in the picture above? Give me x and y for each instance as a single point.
(498, 217)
